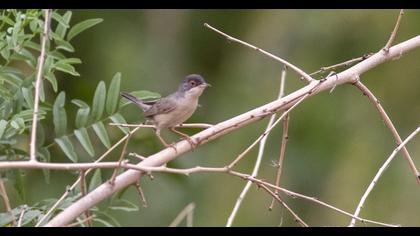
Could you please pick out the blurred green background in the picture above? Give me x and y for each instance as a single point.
(337, 140)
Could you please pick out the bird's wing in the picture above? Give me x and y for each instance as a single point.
(161, 106)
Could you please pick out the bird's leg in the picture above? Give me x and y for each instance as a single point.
(186, 137)
(163, 141)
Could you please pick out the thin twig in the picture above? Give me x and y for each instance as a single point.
(345, 64)
(22, 213)
(83, 192)
(259, 156)
(279, 165)
(389, 124)
(187, 212)
(81, 221)
(6, 201)
(312, 199)
(40, 67)
(276, 197)
(307, 77)
(394, 32)
(141, 194)
(379, 174)
(66, 193)
(114, 174)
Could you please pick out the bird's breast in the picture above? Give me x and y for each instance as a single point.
(184, 109)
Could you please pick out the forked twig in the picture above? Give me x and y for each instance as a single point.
(276, 197)
(342, 64)
(187, 212)
(394, 32)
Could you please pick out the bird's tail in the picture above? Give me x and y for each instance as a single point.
(135, 100)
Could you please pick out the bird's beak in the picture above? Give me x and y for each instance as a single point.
(206, 85)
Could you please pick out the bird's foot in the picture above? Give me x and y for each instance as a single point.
(190, 141)
(172, 145)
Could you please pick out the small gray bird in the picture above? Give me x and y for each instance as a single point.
(170, 111)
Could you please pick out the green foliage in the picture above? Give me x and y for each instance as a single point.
(20, 34)
(82, 26)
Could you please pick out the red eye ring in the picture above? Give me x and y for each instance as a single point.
(192, 83)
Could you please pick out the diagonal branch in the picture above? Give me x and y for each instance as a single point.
(276, 197)
(6, 202)
(394, 32)
(131, 176)
(66, 193)
(288, 64)
(379, 174)
(279, 165)
(390, 126)
(40, 67)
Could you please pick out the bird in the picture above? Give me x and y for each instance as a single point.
(174, 109)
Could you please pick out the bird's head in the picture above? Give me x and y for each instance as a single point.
(193, 85)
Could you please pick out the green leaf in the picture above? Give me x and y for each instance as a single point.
(18, 182)
(67, 147)
(100, 131)
(83, 137)
(30, 215)
(113, 94)
(124, 205)
(53, 81)
(3, 124)
(32, 45)
(61, 20)
(71, 60)
(104, 222)
(98, 102)
(144, 94)
(25, 55)
(118, 118)
(45, 156)
(41, 91)
(82, 113)
(40, 134)
(62, 27)
(59, 115)
(28, 96)
(66, 46)
(96, 180)
(82, 26)
(114, 221)
(67, 68)
(18, 123)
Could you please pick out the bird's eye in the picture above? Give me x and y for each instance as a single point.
(192, 83)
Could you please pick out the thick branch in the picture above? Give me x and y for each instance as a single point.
(129, 177)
